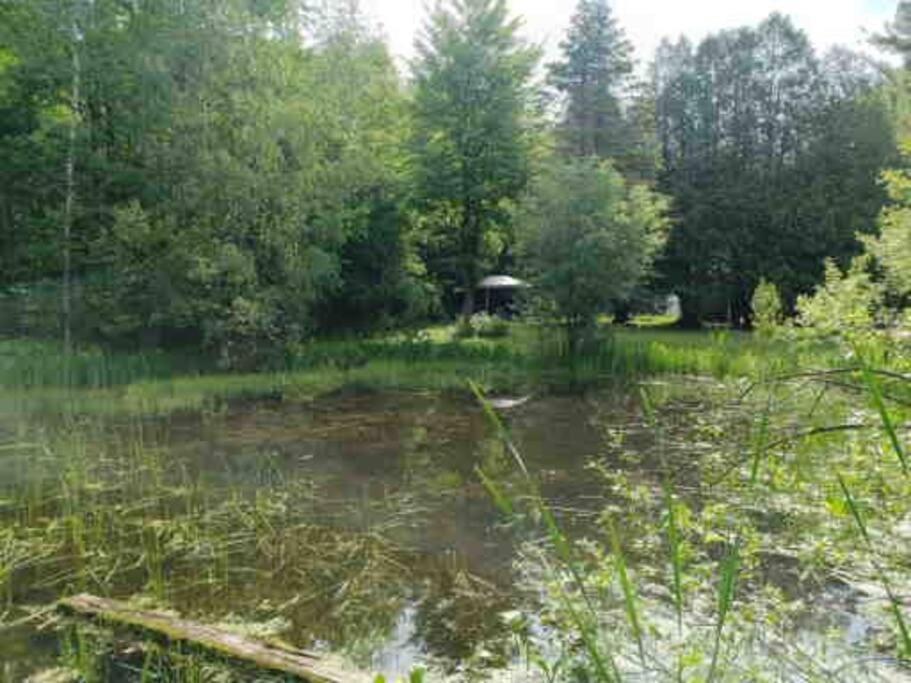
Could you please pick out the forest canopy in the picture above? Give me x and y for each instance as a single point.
(242, 175)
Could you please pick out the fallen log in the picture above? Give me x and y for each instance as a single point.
(59, 675)
(234, 648)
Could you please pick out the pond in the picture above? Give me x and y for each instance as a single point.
(354, 524)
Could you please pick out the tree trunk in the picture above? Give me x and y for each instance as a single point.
(468, 301)
(623, 313)
(471, 249)
(689, 313)
(70, 200)
(257, 657)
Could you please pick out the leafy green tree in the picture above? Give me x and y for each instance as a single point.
(892, 246)
(772, 157)
(587, 238)
(845, 304)
(231, 177)
(471, 138)
(38, 134)
(767, 308)
(382, 281)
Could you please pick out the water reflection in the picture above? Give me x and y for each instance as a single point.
(356, 523)
(401, 467)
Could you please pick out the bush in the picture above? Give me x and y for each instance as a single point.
(489, 326)
(768, 313)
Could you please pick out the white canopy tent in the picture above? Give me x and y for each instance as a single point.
(494, 283)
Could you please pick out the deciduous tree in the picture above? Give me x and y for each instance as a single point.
(772, 158)
(587, 238)
(472, 137)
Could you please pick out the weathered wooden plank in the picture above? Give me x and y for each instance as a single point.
(266, 657)
(59, 675)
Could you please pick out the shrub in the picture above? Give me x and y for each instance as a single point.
(489, 326)
(767, 309)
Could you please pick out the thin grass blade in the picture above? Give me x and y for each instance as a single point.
(879, 402)
(730, 567)
(673, 537)
(630, 599)
(894, 604)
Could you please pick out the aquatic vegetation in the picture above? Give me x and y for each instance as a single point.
(746, 552)
(708, 534)
(114, 518)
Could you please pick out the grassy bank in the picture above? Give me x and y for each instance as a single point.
(37, 375)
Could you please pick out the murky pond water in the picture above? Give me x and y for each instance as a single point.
(400, 467)
(377, 538)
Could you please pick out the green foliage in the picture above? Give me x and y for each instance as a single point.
(471, 136)
(233, 182)
(768, 311)
(772, 156)
(845, 305)
(587, 238)
(744, 548)
(247, 175)
(892, 247)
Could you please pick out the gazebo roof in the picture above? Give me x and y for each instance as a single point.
(501, 282)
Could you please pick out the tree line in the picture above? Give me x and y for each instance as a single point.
(246, 174)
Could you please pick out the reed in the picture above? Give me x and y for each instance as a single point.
(895, 605)
(38, 376)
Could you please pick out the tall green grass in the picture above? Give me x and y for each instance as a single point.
(600, 642)
(734, 543)
(27, 364)
(36, 377)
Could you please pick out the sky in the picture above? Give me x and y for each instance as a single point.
(646, 22)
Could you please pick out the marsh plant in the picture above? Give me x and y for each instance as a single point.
(87, 507)
(704, 569)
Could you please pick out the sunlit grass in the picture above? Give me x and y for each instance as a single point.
(36, 376)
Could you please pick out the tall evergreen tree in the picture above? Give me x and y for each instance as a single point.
(606, 114)
(471, 134)
(897, 37)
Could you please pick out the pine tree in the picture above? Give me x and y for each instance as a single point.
(594, 75)
(898, 34)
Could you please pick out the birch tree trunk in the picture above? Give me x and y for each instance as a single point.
(70, 201)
